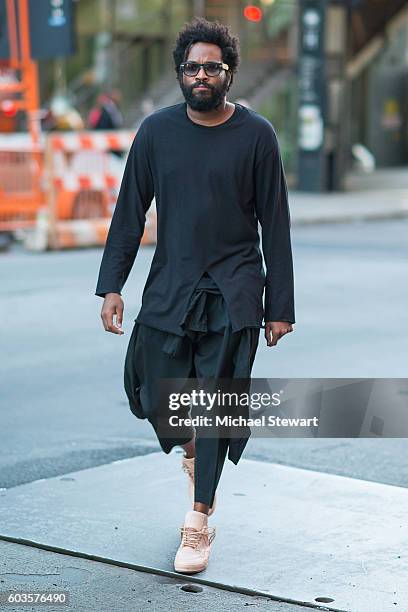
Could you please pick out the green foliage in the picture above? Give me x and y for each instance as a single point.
(279, 16)
(281, 110)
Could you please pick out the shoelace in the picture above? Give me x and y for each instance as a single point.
(192, 537)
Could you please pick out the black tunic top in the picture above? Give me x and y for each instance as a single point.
(212, 185)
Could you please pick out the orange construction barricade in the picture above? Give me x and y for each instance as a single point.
(83, 176)
(21, 187)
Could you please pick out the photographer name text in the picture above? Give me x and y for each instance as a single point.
(240, 421)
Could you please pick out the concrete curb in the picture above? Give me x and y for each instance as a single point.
(349, 218)
(160, 572)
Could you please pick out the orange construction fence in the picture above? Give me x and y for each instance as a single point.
(63, 195)
(21, 192)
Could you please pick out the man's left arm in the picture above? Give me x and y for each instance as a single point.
(272, 209)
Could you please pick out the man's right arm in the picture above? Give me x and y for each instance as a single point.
(128, 220)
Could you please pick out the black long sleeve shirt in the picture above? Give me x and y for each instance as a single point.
(211, 185)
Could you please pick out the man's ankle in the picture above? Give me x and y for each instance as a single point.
(199, 507)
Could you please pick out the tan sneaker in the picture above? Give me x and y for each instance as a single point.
(194, 551)
(188, 467)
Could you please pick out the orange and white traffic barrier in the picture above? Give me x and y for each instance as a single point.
(21, 193)
(118, 140)
(84, 176)
(74, 233)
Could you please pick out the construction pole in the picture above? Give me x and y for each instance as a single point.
(12, 34)
(18, 26)
(29, 75)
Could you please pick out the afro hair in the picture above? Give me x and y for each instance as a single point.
(201, 30)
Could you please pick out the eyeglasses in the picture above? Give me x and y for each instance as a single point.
(211, 69)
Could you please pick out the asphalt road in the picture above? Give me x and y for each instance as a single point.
(63, 406)
(92, 585)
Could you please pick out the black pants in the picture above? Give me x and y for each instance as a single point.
(208, 350)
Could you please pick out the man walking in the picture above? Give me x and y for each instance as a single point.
(215, 170)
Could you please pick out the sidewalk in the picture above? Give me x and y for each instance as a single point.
(290, 535)
(381, 195)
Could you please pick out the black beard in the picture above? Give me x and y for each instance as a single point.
(206, 102)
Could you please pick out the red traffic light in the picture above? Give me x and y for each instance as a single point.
(253, 13)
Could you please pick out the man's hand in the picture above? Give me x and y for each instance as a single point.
(274, 330)
(112, 304)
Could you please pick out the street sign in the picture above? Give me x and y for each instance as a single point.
(4, 41)
(51, 28)
(311, 111)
